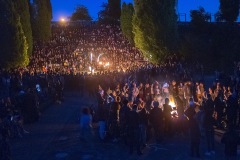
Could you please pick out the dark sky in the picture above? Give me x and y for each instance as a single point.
(64, 8)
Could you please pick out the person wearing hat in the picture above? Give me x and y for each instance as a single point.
(156, 120)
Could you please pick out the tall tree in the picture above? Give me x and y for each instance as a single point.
(22, 8)
(155, 28)
(80, 13)
(114, 9)
(104, 13)
(229, 10)
(218, 17)
(41, 21)
(49, 8)
(126, 21)
(13, 44)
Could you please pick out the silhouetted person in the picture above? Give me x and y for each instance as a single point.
(219, 106)
(167, 117)
(180, 106)
(195, 136)
(232, 106)
(231, 140)
(156, 119)
(143, 117)
(208, 123)
(133, 130)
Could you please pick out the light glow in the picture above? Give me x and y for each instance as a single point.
(91, 57)
(62, 19)
(172, 104)
(99, 56)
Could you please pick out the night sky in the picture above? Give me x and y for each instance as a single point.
(64, 8)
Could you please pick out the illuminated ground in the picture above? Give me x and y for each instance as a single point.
(56, 136)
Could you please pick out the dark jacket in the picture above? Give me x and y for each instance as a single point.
(133, 121)
(231, 140)
(156, 116)
(194, 131)
(208, 120)
(167, 112)
(143, 117)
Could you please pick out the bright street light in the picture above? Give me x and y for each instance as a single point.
(62, 20)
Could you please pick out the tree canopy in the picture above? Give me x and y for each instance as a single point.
(229, 10)
(199, 16)
(126, 21)
(114, 9)
(111, 12)
(155, 28)
(200, 19)
(13, 44)
(41, 20)
(81, 13)
(22, 8)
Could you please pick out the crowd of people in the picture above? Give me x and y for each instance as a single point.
(131, 104)
(76, 47)
(134, 96)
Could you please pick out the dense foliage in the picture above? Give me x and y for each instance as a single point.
(229, 10)
(200, 16)
(216, 45)
(110, 12)
(126, 21)
(13, 44)
(41, 20)
(22, 8)
(114, 9)
(155, 28)
(81, 13)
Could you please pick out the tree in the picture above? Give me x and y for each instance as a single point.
(126, 21)
(13, 44)
(81, 13)
(218, 17)
(104, 13)
(41, 20)
(49, 8)
(114, 9)
(199, 16)
(229, 10)
(155, 28)
(22, 8)
(199, 19)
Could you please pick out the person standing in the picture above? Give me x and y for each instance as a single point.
(195, 136)
(156, 120)
(133, 123)
(86, 125)
(208, 123)
(167, 117)
(219, 107)
(231, 140)
(114, 118)
(232, 107)
(194, 130)
(143, 118)
(102, 117)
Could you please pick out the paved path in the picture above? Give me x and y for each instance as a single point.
(56, 137)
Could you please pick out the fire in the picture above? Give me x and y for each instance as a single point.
(172, 104)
